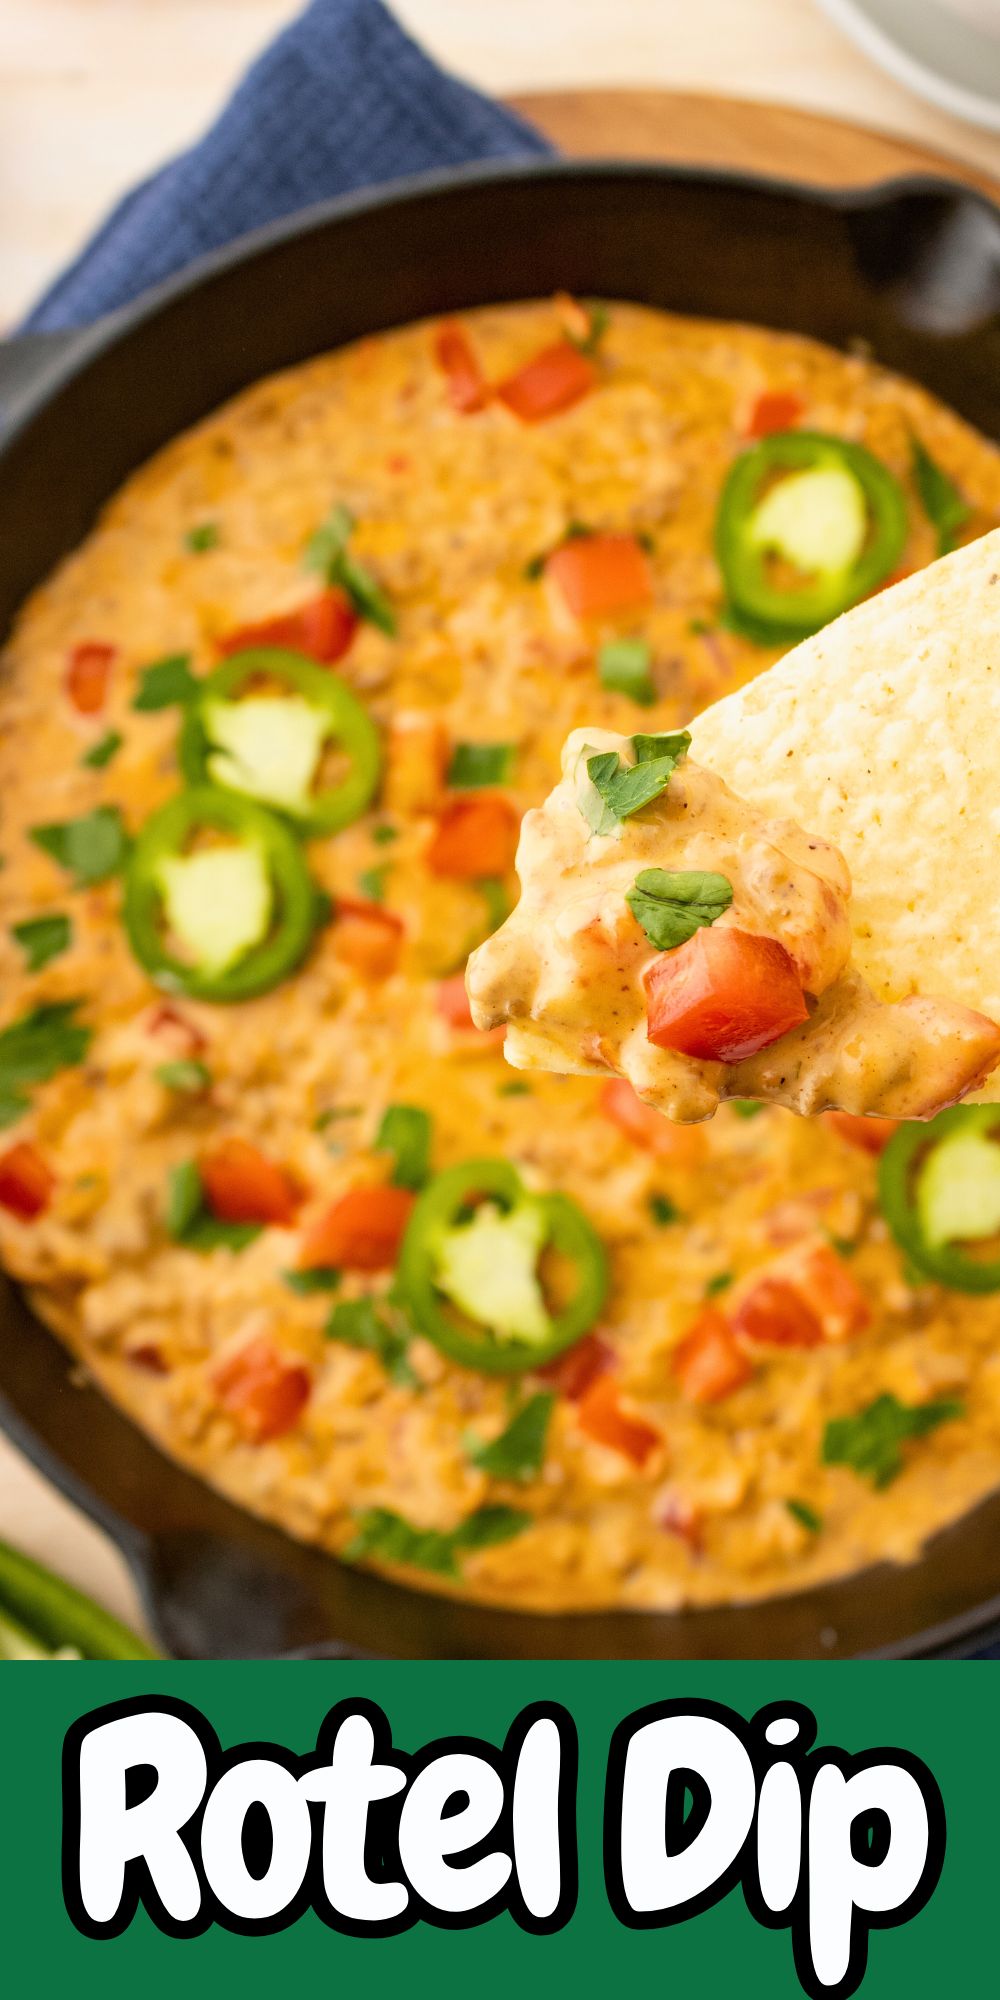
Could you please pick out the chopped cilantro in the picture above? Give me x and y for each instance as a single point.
(101, 752)
(405, 1131)
(202, 537)
(384, 1333)
(90, 848)
(940, 498)
(380, 1532)
(42, 939)
(517, 1087)
(333, 1113)
(165, 683)
(188, 1220)
(719, 1283)
(746, 1107)
(372, 881)
(323, 1278)
(328, 553)
(871, 1441)
(519, 1450)
(188, 1078)
(622, 789)
(671, 906)
(663, 1210)
(805, 1515)
(599, 321)
(623, 668)
(33, 1049)
(384, 833)
(476, 764)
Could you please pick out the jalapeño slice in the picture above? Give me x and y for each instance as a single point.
(807, 524)
(269, 745)
(939, 1185)
(243, 908)
(468, 1269)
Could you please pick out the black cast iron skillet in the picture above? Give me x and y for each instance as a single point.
(912, 271)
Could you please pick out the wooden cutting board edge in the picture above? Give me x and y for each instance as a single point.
(695, 129)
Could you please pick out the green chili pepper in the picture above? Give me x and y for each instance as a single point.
(468, 1268)
(939, 1185)
(282, 903)
(829, 508)
(40, 1615)
(268, 747)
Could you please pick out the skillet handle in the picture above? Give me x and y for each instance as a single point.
(26, 362)
(209, 1598)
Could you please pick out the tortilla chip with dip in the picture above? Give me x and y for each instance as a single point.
(795, 899)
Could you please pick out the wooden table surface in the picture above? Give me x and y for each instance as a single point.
(93, 93)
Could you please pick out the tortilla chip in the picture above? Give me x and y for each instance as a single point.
(882, 734)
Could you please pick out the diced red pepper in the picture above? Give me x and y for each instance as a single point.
(417, 755)
(264, 1393)
(458, 361)
(870, 1135)
(26, 1182)
(177, 1032)
(361, 1231)
(241, 1185)
(685, 1145)
(600, 1414)
(600, 575)
(476, 835)
(773, 1312)
(452, 1001)
(367, 937)
(723, 996)
(828, 1288)
(553, 381)
(149, 1357)
(322, 629)
(774, 410)
(679, 1518)
(708, 1363)
(87, 675)
(571, 1373)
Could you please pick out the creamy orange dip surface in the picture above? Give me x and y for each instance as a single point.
(683, 1452)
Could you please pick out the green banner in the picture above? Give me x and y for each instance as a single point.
(703, 1845)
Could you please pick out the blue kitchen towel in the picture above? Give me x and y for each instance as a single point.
(342, 99)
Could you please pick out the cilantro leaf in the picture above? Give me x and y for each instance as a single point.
(101, 752)
(188, 1220)
(663, 1210)
(383, 1533)
(623, 668)
(805, 1515)
(599, 319)
(372, 881)
(90, 848)
(871, 1442)
(322, 1278)
(670, 906)
(188, 1078)
(165, 683)
(42, 939)
(673, 743)
(202, 537)
(405, 1131)
(939, 497)
(519, 1450)
(33, 1049)
(476, 764)
(358, 1323)
(328, 552)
